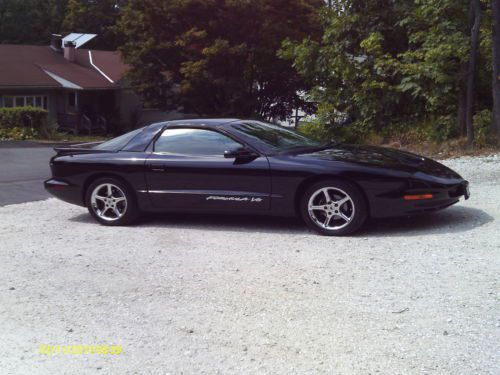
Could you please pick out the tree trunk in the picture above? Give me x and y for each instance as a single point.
(462, 100)
(471, 74)
(495, 11)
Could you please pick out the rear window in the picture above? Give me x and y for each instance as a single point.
(118, 143)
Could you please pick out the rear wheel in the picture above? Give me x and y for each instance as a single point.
(333, 208)
(111, 202)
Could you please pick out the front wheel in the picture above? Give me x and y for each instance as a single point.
(333, 208)
(110, 202)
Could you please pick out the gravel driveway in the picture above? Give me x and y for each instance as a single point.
(205, 295)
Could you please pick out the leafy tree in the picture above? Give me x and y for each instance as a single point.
(348, 65)
(30, 21)
(388, 63)
(94, 17)
(216, 57)
(434, 67)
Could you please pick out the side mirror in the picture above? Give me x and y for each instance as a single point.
(240, 153)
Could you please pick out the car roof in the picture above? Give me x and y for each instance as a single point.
(208, 122)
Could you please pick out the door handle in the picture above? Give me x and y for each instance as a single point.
(155, 168)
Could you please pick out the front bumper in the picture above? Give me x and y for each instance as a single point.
(442, 198)
(394, 204)
(64, 191)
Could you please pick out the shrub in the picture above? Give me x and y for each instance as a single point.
(339, 133)
(26, 120)
(17, 134)
(482, 122)
(315, 130)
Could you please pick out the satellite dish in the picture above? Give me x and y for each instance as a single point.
(78, 39)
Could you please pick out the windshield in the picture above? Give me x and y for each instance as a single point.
(275, 137)
(118, 143)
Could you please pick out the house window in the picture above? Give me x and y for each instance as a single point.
(8, 101)
(25, 100)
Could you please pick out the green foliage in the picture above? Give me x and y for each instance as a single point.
(216, 57)
(315, 130)
(33, 21)
(384, 63)
(30, 21)
(17, 134)
(482, 124)
(23, 121)
(98, 17)
(430, 68)
(348, 66)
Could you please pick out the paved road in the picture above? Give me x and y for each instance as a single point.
(23, 168)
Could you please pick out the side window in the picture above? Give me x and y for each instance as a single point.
(194, 142)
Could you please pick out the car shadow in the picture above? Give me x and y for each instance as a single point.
(218, 222)
(453, 220)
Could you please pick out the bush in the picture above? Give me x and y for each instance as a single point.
(315, 130)
(17, 134)
(482, 123)
(23, 122)
(319, 131)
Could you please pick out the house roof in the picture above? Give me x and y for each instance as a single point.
(42, 66)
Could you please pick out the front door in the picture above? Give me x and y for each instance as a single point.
(187, 170)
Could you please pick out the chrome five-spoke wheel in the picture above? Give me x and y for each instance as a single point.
(334, 207)
(331, 208)
(108, 201)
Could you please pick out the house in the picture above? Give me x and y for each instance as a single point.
(83, 90)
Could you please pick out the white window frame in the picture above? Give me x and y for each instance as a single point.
(43, 99)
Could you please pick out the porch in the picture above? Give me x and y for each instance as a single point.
(89, 112)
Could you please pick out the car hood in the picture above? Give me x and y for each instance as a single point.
(382, 157)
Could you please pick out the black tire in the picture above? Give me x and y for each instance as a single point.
(354, 209)
(127, 208)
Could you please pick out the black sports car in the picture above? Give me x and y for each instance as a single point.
(246, 166)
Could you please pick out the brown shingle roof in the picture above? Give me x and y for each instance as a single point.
(25, 66)
(109, 62)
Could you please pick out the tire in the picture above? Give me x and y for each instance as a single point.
(340, 211)
(111, 202)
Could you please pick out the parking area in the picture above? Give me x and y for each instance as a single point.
(185, 294)
(23, 168)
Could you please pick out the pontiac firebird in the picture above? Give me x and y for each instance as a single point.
(246, 166)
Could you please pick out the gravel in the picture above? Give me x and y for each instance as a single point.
(186, 294)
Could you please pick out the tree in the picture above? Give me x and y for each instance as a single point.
(475, 15)
(435, 63)
(94, 17)
(216, 57)
(30, 21)
(388, 65)
(351, 66)
(495, 7)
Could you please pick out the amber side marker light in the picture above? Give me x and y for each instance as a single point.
(417, 197)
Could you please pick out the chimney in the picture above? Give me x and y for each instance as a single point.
(55, 42)
(69, 51)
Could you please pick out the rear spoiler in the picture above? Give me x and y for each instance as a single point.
(81, 148)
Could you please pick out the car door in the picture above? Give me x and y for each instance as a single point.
(187, 170)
